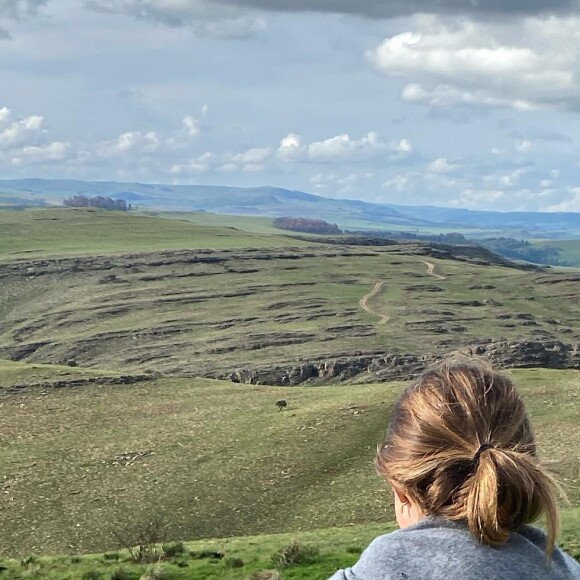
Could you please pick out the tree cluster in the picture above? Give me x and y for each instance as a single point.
(450, 238)
(523, 250)
(307, 225)
(98, 201)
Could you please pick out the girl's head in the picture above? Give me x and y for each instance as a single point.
(460, 445)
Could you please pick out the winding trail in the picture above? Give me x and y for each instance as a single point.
(384, 318)
(431, 271)
(363, 303)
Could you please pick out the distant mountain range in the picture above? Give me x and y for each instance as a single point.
(277, 202)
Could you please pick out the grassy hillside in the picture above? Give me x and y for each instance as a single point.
(213, 311)
(65, 232)
(213, 459)
(253, 224)
(569, 250)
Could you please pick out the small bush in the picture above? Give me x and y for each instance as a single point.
(354, 550)
(234, 563)
(143, 541)
(75, 559)
(112, 557)
(294, 554)
(172, 549)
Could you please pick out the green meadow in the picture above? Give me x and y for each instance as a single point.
(66, 232)
(112, 327)
(214, 459)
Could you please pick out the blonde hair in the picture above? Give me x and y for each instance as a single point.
(460, 445)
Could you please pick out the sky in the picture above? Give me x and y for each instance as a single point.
(462, 103)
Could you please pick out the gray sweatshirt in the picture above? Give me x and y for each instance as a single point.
(438, 549)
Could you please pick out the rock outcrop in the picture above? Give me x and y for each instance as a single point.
(371, 368)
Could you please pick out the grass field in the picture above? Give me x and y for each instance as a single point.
(214, 459)
(213, 311)
(65, 232)
(252, 224)
(337, 548)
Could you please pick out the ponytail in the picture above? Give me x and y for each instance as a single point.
(507, 490)
(433, 451)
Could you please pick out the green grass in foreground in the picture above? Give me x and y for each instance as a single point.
(50, 232)
(216, 459)
(240, 557)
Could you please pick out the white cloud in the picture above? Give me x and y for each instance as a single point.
(504, 180)
(290, 147)
(449, 96)
(25, 141)
(18, 133)
(340, 148)
(253, 156)
(192, 126)
(340, 185)
(442, 165)
(200, 164)
(523, 145)
(55, 151)
(571, 201)
(399, 182)
(403, 146)
(525, 64)
(131, 142)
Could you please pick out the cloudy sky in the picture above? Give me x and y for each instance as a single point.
(471, 103)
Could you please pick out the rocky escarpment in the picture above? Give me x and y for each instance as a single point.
(376, 367)
(471, 253)
(78, 382)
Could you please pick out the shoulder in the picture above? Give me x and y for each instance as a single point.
(377, 562)
(538, 538)
(403, 553)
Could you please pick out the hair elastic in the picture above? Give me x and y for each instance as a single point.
(482, 448)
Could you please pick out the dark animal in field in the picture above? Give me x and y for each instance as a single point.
(281, 404)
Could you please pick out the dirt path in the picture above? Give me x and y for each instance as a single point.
(431, 271)
(363, 302)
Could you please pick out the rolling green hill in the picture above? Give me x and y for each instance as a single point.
(67, 232)
(265, 303)
(568, 250)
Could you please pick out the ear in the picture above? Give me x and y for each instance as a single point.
(404, 499)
